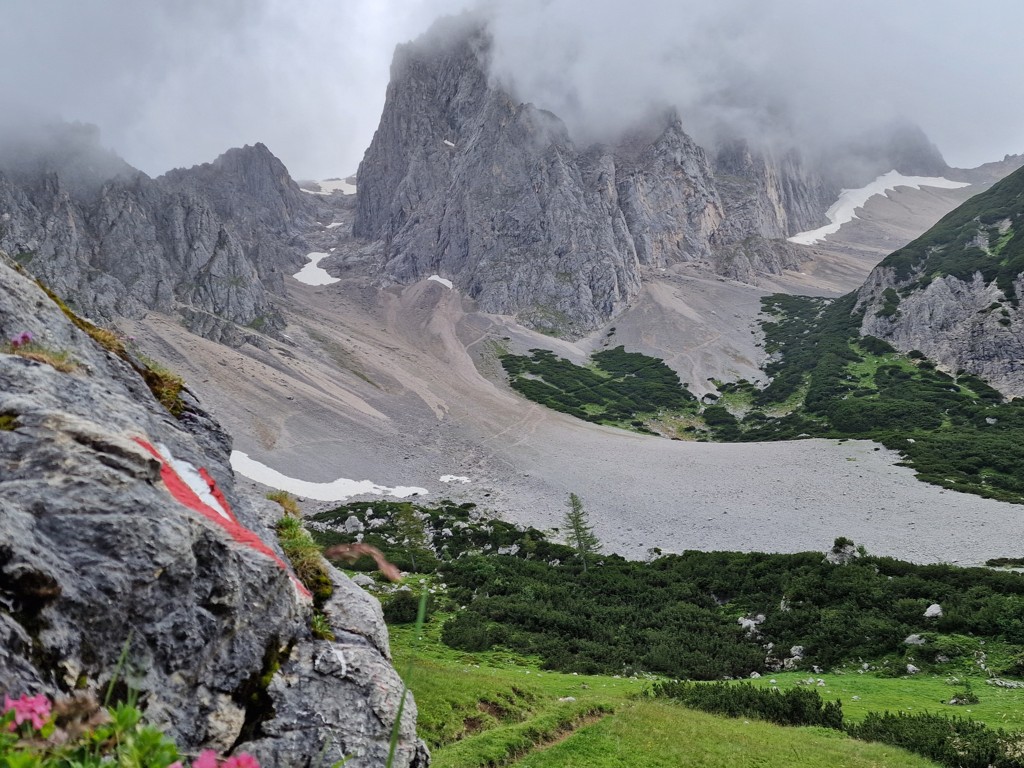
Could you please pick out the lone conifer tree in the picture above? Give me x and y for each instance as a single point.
(580, 532)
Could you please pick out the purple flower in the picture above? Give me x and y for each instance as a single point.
(23, 338)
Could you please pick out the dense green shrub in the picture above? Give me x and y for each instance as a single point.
(618, 388)
(952, 742)
(403, 606)
(796, 706)
(467, 631)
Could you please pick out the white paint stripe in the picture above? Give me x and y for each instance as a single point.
(194, 480)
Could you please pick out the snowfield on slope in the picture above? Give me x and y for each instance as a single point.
(845, 208)
(313, 273)
(338, 490)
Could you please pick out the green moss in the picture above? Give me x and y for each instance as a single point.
(302, 552)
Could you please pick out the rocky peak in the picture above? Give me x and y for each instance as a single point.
(246, 185)
(463, 180)
(65, 155)
(899, 146)
(211, 243)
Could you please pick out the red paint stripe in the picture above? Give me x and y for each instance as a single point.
(217, 493)
(181, 492)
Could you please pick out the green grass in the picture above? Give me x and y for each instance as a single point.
(498, 708)
(997, 707)
(658, 734)
(489, 708)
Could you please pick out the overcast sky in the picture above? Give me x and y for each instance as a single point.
(176, 82)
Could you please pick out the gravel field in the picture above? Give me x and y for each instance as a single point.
(401, 386)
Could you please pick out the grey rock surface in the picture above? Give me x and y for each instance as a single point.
(464, 181)
(212, 242)
(96, 555)
(961, 325)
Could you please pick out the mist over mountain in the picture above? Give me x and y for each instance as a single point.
(792, 73)
(174, 85)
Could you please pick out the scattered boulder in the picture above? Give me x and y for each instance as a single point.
(934, 611)
(354, 525)
(914, 640)
(912, 670)
(750, 624)
(364, 581)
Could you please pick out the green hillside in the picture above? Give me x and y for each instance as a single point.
(501, 709)
(985, 234)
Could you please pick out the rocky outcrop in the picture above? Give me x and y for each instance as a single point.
(102, 549)
(463, 181)
(961, 325)
(211, 241)
(955, 293)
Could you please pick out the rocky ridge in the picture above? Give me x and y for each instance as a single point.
(210, 242)
(954, 293)
(100, 551)
(463, 180)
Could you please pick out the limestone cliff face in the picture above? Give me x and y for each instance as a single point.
(210, 242)
(955, 293)
(463, 180)
(98, 550)
(960, 324)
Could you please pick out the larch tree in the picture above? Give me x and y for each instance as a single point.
(579, 531)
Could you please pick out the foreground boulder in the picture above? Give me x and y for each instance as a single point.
(121, 533)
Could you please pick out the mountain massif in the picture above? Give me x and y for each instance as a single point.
(463, 180)
(534, 241)
(211, 243)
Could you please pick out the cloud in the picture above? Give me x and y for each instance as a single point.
(176, 82)
(795, 68)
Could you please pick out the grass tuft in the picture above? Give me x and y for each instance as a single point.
(305, 557)
(165, 385)
(287, 502)
(60, 360)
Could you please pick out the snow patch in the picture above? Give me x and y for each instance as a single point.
(313, 273)
(334, 225)
(330, 186)
(844, 209)
(453, 479)
(449, 143)
(441, 280)
(338, 490)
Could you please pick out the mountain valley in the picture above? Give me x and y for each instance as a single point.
(735, 355)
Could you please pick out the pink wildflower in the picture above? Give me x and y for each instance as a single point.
(207, 759)
(23, 338)
(244, 760)
(176, 764)
(35, 709)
